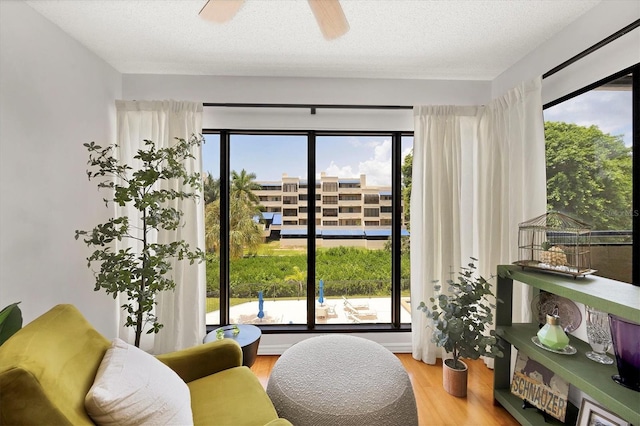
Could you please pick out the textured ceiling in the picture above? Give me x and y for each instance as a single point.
(429, 39)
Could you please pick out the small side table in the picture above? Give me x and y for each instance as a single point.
(248, 339)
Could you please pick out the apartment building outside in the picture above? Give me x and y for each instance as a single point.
(348, 212)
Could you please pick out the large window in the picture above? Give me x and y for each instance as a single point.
(590, 175)
(352, 272)
(211, 178)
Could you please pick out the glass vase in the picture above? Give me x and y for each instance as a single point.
(626, 344)
(599, 335)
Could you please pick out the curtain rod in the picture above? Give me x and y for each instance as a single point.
(632, 26)
(312, 107)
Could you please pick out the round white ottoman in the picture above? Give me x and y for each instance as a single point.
(341, 380)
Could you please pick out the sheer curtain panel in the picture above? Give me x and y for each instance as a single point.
(477, 173)
(182, 311)
(512, 180)
(441, 133)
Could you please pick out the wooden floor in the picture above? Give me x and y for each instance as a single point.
(435, 406)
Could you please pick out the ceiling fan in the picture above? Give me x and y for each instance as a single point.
(328, 13)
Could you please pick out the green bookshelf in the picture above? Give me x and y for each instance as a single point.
(593, 379)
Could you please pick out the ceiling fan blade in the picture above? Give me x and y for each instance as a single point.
(220, 11)
(330, 16)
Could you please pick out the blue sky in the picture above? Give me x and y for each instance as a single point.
(610, 110)
(271, 156)
(347, 157)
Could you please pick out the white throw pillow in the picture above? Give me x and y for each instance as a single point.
(132, 387)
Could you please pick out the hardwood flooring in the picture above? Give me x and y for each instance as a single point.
(435, 406)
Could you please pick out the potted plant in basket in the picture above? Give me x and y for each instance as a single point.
(459, 322)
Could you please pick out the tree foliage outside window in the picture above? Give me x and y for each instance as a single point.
(242, 186)
(407, 170)
(245, 233)
(589, 175)
(298, 277)
(211, 188)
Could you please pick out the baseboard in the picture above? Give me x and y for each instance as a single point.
(273, 349)
(399, 348)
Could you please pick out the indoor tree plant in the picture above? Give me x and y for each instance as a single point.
(141, 274)
(460, 320)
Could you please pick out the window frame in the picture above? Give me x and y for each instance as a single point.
(396, 225)
(634, 70)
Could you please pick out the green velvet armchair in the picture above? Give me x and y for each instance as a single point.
(47, 368)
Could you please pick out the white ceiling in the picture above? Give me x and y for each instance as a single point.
(424, 39)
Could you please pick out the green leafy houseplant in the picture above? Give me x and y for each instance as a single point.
(141, 274)
(460, 319)
(10, 321)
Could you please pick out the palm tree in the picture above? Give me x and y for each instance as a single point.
(211, 189)
(212, 227)
(299, 277)
(243, 184)
(245, 232)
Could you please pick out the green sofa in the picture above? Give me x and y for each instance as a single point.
(47, 368)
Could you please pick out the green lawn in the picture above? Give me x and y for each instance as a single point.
(350, 271)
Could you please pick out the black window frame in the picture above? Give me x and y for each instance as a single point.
(311, 327)
(634, 70)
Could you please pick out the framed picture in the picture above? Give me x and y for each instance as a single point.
(539, 386)
(592, 414)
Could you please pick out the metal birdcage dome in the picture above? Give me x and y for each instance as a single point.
(555, 242)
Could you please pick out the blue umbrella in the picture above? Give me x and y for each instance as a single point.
(321, 292)
(260, 305)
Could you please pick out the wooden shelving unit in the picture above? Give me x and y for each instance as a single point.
(594, 379)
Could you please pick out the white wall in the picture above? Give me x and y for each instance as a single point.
(277, 90)
(592, 27)
(55, 96)
(304, 90)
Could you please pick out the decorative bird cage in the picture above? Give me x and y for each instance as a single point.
(555, 242)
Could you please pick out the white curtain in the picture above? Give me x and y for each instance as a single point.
(182, 312)
(512, 183)
(477, 173)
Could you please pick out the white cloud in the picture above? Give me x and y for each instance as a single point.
(377, 166)
(359, 143)
(343, 172)
(609, 110)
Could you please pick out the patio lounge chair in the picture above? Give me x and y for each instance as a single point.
(359, 306)
(353, 318)
(331, 311)
(360, 314)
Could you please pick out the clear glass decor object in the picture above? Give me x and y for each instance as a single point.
(599, 335)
